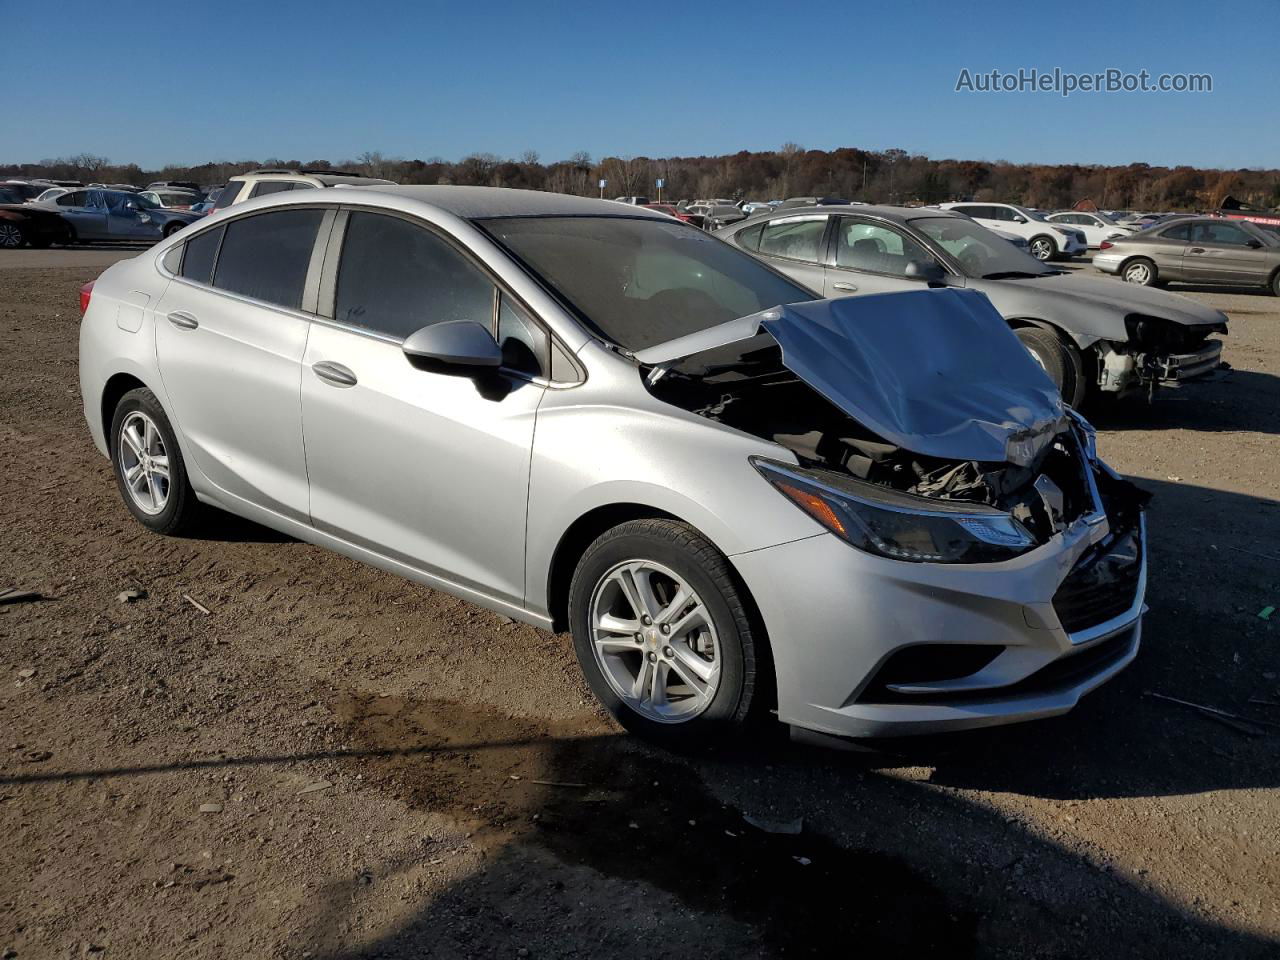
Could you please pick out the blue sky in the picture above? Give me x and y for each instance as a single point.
(186, 82)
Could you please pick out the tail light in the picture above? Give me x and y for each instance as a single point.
(85, 293)
(1105, 245)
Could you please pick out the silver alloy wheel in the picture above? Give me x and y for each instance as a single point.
(1042, 249)
(144, 462)
(654, 641)
(1138, 273)
(10, 235)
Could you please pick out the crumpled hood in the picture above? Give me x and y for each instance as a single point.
(1124, 297)
(937, 372)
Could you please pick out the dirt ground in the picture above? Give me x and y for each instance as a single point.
(335, 763)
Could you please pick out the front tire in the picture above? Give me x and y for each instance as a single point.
(11, 235)
(1140, 271)
(1043, 248)
(150, 472)
(1061, 361)
(661, 628)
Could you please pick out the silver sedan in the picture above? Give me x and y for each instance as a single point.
(1090, 335)
(594, 418)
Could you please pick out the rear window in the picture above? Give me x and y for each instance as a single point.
(228, 194)
(266, 256)
(198, 257)
(264, 188)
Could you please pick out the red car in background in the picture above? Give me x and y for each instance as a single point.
(671, 210)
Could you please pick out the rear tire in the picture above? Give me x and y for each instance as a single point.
(1061, 361)
(171, 229)
(711, 674)
(1140, 271)
(143, 442)
(1275, 284)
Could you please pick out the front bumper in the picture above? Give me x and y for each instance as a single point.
(1173, 368)
(836, 617)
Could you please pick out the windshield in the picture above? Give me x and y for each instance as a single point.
(980, 253)
(143, 201)
(641, 282)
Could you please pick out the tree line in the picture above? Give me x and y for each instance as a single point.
(878, 176)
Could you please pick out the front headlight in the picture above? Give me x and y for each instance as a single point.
(897, 525)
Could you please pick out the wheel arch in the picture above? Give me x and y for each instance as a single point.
(573, 544)
(117, 385)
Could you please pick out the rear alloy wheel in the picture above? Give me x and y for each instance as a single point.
(11, 235)
(148, 464)
(1042, 248)
(1061, 361)
(173, 228)
(1140, 271)
(660, 628)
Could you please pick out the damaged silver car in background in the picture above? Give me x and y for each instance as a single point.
(871, 516)
(1092, 336)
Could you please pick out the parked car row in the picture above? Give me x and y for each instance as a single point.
(679, 449)
(69, 212)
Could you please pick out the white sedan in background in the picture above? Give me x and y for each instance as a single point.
(1096, 227)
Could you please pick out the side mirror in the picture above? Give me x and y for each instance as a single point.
(1019, 218)
(926, 271)
(1254, 244)
(461, 347)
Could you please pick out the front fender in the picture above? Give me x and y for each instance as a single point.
(590, 456)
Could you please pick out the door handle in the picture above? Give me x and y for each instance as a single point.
(851, 287)
(334, 373)
(183, 321)
(1196, 250)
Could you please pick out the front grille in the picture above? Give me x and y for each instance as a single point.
(1103, 585)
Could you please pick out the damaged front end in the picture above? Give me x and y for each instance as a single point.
(922, 429)
(1158, 351)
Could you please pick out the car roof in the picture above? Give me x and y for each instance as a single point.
(327, 178)
(884, 212)
(475, 203)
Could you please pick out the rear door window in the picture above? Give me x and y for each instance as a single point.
(199, 254)
(749, 239)
(794, 238)
(396, 277)
(1181, 232)
(266, 256)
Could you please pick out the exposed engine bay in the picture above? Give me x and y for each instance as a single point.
(813, 377)
(774, 404)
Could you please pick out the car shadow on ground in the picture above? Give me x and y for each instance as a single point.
(1225, 401)
(894, 866)
(217, 525)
